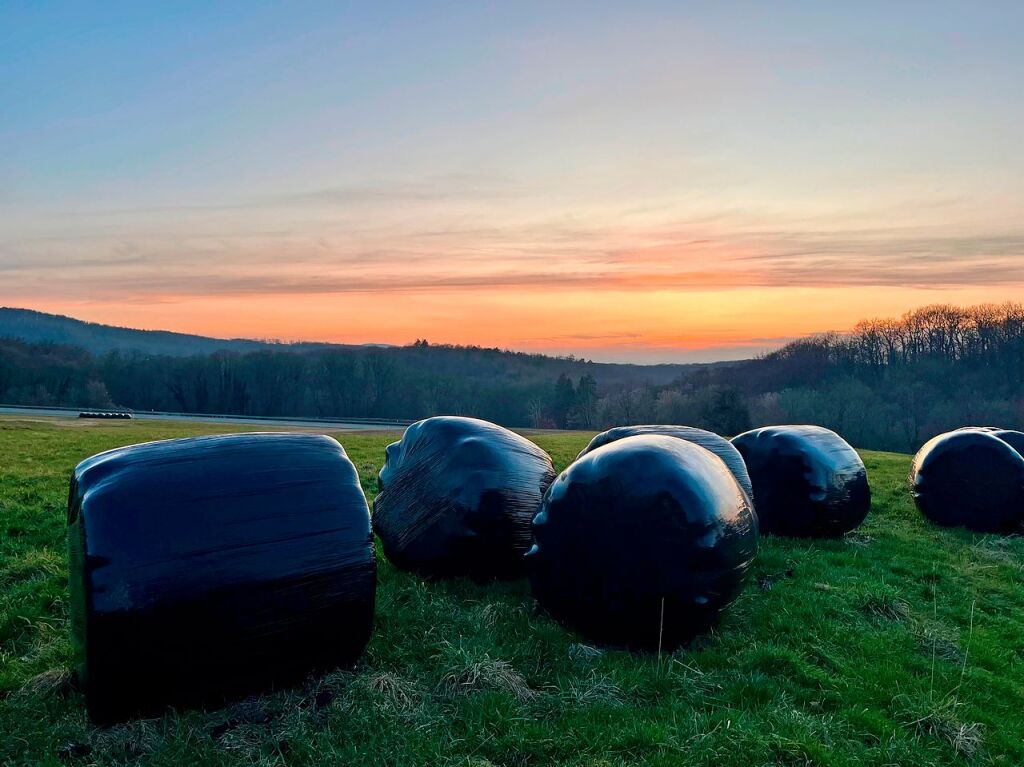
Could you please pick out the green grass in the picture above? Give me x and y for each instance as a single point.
(902, 644)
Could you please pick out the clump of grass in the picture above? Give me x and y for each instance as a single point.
(323, 691)
(130, 740)
(939, 721)
(584, 654)
(767, 582)
(394, 691)
(494, 613)
(246, 742)
(485, 673)
(859, 539)
(255, 730)
(34, 563)
(55, 683)
(252, 711)
(1002, 549)
(938, 642)
(886, 606)
(594, 690)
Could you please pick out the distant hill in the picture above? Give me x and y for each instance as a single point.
(37, 327)
(51, 360)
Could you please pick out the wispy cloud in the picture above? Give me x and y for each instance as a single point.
(473, 232)
(437, 189)
(517, 259)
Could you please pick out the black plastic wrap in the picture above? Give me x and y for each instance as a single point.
(1014, 439)
(210, 567)
(457, 496)
(642, 543)
(970, 478)
(808, 481)
(708, 440)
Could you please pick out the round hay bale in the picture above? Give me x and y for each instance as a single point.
(808, 481)
(708, 440)
(1014, 439)
(211, 567)
(457, 496)
(972, 479)
(642, 542)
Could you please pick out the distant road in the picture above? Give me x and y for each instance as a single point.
(347, 424)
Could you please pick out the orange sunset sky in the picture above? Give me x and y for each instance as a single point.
(672, 183)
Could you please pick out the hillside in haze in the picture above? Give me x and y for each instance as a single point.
(36, 327)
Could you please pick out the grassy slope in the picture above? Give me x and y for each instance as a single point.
(901, 644)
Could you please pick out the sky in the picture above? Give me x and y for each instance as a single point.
(647, 182)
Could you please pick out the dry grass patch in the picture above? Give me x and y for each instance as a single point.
(940, 721)
(130, 740)
(55, 683)
(392, 689)
(584, 654)
(886, 606)
(594, 691)
(485, 674)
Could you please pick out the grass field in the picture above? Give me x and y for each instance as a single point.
(902, 644)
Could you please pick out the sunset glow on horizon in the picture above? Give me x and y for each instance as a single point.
(656, 185)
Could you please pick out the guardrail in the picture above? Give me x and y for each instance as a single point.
(383, 422)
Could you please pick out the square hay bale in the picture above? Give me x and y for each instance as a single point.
(206, 568)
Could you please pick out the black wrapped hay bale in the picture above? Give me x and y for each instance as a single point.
(457, 496)
(970, 478)
(642, 542)
(1014, 439)
(211, 567)
(708, 440)
(808, 481)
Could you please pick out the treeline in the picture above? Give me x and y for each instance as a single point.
(889, 384)
(389, 382)
(897, 382)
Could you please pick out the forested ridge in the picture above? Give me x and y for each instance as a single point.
(887, 384)
(894, 383)
(406, 382)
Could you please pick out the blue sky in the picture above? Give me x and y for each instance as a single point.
(628, 181)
